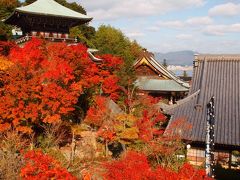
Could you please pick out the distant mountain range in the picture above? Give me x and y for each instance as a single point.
(181, 58)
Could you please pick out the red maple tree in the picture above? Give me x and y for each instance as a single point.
(150, 124)
(97, 113)
(46, 81)
(41, 166)
(136, 166)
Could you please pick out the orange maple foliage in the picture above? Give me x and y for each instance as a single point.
(125, 126)
(150, 125)
(110, 86)
(97, 113)
(45, 82)
(111, 63)
(4, 63)
(178, 128)
(41, 166)
(6, 46)
(136, 166)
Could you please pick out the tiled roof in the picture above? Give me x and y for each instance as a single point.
(114, 108)
(51, 8)
(218, 76)
(174, 83)
(169, 108)
(159, 85)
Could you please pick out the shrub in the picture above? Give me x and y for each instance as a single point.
(133, 166)
(45, 81)
(41, 166)
(11, 143)
(136, 166)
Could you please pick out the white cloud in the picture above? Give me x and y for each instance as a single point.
(215, 30)
(203, 24)
(205, 20)
(153, 28)
(114, 9)
(184, 36)
(180, 68)
(228, 9)
(170, 24)
(125, 14)
(220, 30)
(135, 34)
(177, 24)
(92, 5)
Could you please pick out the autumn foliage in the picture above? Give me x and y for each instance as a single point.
(42, 83)
(148, 125)
(136, 166)
(97, 113)
(46, 81)
(4, 63)
(5, 47)
(41, 166)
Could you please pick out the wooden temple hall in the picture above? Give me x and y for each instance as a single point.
(46, 19)
(49, 20)
(154, 79)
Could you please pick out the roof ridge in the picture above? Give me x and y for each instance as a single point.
(182, 101)
(221, 79)
(167, 108)
(37, 8)
(218, 57)
(202, 80)
(171, 75)
(148, 56)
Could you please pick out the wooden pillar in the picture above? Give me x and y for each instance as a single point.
(230, 160)
(171, 100)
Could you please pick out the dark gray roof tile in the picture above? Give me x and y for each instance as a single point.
(218, 76)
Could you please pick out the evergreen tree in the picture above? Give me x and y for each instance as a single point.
(6, 8)
(109, 40)
(185, 74)
(165, 63)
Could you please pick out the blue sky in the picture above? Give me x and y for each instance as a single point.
(205, 26)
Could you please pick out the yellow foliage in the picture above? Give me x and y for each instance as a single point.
(129, 134)
(4, 63)
(127, 119)
(8, 3)
(126, 129)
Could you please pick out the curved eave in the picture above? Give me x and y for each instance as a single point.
(161, 69)
(52, 8)
(170, 108)
(87, 19)
(156, 85)
(9, 19)
(95, 59)
(165, 90)
(168, 73)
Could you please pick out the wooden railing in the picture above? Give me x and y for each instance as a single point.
(26, 38)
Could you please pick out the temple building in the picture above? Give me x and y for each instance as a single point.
(218, 76)
(154, 79)
(46, 19)
(49, 20)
